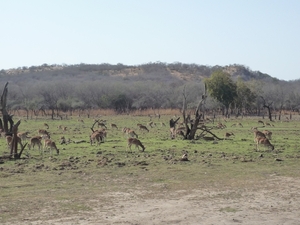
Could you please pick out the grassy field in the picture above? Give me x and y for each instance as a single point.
(43, 186)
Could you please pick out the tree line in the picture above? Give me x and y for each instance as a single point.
(148, 86)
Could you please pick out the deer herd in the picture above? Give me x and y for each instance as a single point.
(43, 142)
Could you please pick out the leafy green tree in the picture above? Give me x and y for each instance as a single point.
(221, 87)
(245, 97)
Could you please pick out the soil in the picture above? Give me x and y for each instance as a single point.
(275, 201)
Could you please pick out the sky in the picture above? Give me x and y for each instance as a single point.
(263, 35)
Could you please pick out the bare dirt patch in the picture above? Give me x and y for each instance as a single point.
(273, 201)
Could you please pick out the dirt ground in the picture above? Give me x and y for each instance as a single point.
(275, 202)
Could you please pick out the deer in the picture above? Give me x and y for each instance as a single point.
(134, 141)
(44, 132)
(258, 134)
(36, 140)
(268, 134)
(97, 136)
(49, 144)
(112, 125)
(228, 134)
(263, 141)
(9, 141)
(101, 124)
(23, 135)
(129, 132)
(142, 127)
(237, 124)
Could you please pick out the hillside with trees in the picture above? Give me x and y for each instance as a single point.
(65, 88)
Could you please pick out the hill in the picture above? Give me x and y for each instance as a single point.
(157, 71)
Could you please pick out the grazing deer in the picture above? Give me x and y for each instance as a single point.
(228, 134)
(100, 124)
(237, 124)
(23, 135)
(112, 125)
(262, 122)
(49, 144)
(44, 132)
(221, 126)
(142, 127)
(151, 124)
(97, 136)
(268, 134)
(263, 141)
(36, 140)
(129, 132)
(136, 142)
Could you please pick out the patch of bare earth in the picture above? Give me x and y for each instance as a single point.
(275, 201)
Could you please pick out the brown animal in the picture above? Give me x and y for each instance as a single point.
(268, 134)
(130, 132)
(100, 124)
(237, 124)
(23, 135)
(142, 127)
(49, 144)
(97, 136)
(228, 134)
(44, 132)
(112, 125)
(136, 142)
(258, 134)
(36, 140)
(263, 141)
(9, 140)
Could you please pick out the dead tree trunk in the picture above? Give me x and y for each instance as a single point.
(191, 128)
(268, 107)
(6, 117)
(14, 144)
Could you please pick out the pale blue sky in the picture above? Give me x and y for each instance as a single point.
(263, 35)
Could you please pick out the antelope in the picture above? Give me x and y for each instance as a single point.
(136, 142)
(221, 126)
(263, 141)
(9, 141)
(258, 134)
(237, 124)
(228, 134)
(112, 125)
(49, 144)
(100, 124)
(142, 127)
(46, 125)
(130, 132)
(35, 141)
(151, 124)
(96, 136)
(23, 135)
(44, 132)
(262, 122)
(80, 120)
(268, 134)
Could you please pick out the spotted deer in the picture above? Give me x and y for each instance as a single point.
(134, 141)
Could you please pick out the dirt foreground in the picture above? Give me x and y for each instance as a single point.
(275, 202)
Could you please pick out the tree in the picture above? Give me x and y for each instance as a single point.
(245, 97)
(221, 87)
